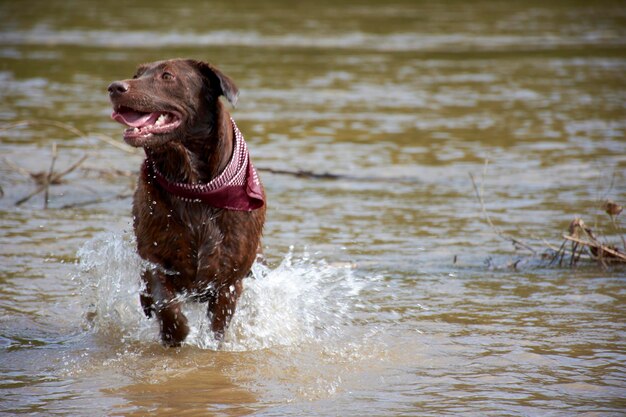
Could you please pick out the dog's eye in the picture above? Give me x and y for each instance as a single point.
(167, 76)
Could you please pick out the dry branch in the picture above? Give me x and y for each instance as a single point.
(77, 132)
(497, 231)
(599, 246)
(583, 243)
(582, 239)
(50, 178)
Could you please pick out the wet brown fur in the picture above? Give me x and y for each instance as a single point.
(199, 251)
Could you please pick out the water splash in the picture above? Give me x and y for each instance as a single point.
(109, 287)
(301, 300)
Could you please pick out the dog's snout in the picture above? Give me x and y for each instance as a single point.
(118, 87)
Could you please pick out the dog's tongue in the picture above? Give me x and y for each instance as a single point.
(134, 118)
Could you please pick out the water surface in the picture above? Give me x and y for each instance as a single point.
(387, 293)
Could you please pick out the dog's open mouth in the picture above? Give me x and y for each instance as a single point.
(145, 124)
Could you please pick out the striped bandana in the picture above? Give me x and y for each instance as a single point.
(236, 188)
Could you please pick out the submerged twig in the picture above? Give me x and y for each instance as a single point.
(329, 176)
(112, 172)
(119, 196)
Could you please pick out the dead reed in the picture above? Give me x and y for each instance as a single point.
(580, 243)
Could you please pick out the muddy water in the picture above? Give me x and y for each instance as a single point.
(387, 293)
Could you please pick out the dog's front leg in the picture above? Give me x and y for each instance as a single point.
(145, 298)
(161, 299)
(222, 307)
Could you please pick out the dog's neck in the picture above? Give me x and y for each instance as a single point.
(197, 159)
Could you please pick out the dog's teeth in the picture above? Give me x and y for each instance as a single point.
(160, 120)
(136, 130)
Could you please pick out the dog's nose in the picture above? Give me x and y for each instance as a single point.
(118, 87)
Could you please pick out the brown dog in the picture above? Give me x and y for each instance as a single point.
(199, 206)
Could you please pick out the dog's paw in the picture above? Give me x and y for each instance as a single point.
(174, 328)
(147, 303)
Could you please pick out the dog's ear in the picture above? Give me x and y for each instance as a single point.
(216, 77)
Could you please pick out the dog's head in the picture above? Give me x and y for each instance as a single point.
(169, 100)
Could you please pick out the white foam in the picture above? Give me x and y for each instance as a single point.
(301, 300)
(109, 287)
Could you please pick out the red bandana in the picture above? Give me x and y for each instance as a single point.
(236, 188)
